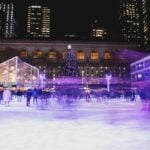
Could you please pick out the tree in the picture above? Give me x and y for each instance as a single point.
(70, 67)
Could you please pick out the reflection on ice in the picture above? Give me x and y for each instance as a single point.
(109, 125)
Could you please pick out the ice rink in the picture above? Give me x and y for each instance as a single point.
(115, 125)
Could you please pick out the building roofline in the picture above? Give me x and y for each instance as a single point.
(141, 60)
(75, 42)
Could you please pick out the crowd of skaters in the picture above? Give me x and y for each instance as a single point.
(72, 95)
(6, 95)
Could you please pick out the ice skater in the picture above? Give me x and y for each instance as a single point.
(35, 96)
(28, 94)
(7, 96)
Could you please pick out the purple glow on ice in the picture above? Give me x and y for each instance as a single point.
(79, 80)
(111, 125)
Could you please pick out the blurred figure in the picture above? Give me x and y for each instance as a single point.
(133, 96)
(28, 94)
(19, 95)
(145, 97)
(7, 96)
(35, 95)
(1, 96)
(128, 95)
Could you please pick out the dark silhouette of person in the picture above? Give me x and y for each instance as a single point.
(35, 95)
(28, 94)
(19, 95)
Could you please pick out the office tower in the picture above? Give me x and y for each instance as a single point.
(146, 23)
(7, 19)
(98, 30)
(131, 21)
(38, 21)
(1, 24)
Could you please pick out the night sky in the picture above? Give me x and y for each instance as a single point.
(74, 16)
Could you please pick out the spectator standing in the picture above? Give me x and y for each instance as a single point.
(7, 96)
(35, 96)
(28, 94)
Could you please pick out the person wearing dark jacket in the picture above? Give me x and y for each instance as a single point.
(35, 95)
(145, 97)
(28, 94)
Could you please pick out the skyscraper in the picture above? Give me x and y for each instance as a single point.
(131, 21)
(7, 19)
(146, 23)
(98, 30)
(1, 24)
(38, 21)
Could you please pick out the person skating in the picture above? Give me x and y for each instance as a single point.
(7, 96)
(28, 94)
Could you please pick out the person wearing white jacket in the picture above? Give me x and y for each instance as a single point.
(6, 96)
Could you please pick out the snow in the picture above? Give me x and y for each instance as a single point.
(113, 125)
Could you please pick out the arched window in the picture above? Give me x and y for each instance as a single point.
(23, 53)
(52, 54)
(94, 55)
(80, 55)
(64, 54)
(107, 55)
(37, 53)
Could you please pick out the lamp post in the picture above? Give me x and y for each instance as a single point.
(82, 77)
(42, 77)
(54, 79)
(108, 78)
(69, 46)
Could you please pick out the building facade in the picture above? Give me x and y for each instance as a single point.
(94, 59)
(38, 21)
(146, 23)
(140, 72)
(98, 31)
(130, 18)
(1, 24)
(7, 18)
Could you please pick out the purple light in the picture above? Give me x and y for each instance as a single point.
(42, 76)
(139, 76)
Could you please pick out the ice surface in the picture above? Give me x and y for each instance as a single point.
(116, 125)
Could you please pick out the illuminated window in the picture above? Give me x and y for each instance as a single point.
(24, 53)
(52, 55)
(99, 33)
(37, 54)
(107, 55)
(80, 55)
(94, 55)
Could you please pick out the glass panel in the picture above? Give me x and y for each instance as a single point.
(15, 72)
(8, 72)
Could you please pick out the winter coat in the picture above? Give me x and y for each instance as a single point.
(6, 95)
